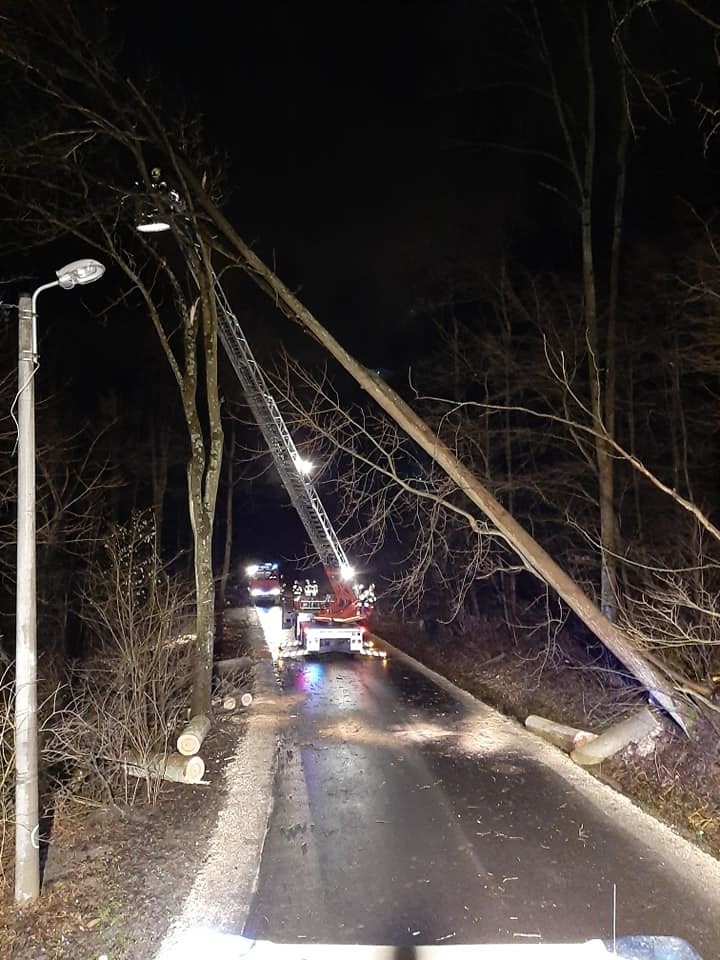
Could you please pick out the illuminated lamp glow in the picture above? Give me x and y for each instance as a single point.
(304, 466)
(153, 226)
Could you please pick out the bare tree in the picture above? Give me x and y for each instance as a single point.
(581, 158)
(84, 169)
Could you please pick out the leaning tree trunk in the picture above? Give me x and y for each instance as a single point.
(533, 555)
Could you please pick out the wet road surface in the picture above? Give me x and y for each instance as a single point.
(405, 815)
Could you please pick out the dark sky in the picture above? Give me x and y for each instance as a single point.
(366, 144)
(365, 149)
(365, 141)
(343, 128)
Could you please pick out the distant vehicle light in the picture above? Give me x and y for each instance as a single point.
(252, 569)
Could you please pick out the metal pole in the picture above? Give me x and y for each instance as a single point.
(27, 826)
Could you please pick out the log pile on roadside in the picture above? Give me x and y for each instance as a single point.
(231, 683)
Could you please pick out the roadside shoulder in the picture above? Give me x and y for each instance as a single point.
(223, 889)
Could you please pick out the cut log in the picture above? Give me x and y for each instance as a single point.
(174, 767)
(190, 740)
(232, 700)
(631, 730)
(235, 665)
(567, 738)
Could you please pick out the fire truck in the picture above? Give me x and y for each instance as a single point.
(264, 582)
(338, 620)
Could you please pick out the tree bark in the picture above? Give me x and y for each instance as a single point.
(233, 666)
(205, 599)
(228, 540)
(191, 739)
(567, 738)
(636, 727)
(174, 767)
(533, 555)
(203, 475)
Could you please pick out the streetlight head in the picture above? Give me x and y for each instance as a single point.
(79, 272)
(151, 224)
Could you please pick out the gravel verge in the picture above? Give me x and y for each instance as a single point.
(223, 889)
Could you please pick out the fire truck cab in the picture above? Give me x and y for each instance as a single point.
(264, 583)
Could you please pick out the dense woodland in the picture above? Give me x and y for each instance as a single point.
(546, 299)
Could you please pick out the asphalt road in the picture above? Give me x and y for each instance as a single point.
(407, 813)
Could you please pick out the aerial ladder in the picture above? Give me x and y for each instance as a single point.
(338, 622)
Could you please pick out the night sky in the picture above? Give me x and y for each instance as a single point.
(373, 150)
(368, 142)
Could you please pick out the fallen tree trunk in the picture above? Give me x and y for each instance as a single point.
(640, 725)
(174, 767)
(234, 665)
(534, 557)
(567, 738)
(190, 740)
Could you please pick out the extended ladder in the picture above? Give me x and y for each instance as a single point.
(288, 461)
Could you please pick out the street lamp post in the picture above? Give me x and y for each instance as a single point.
(27, 821)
